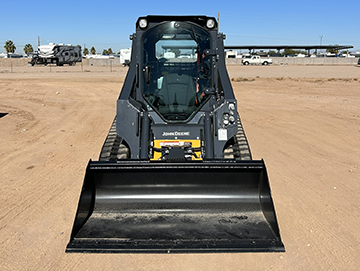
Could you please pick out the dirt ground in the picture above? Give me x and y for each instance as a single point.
(303, 120)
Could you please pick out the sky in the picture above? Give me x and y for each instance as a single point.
(109, 24)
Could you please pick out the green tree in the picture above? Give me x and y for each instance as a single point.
(110, 52)
(288, 51)
(272, 52)
(10, 46)
(92, 50)
(105, 52)
(86, 51)
(28, 48)
(333, 51)
(294, 52)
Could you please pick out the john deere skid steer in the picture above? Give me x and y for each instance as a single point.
(175, 173)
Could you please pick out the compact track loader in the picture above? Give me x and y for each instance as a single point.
(175, 173)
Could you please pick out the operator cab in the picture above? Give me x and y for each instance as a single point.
(176, 72)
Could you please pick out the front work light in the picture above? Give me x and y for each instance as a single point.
(210, 23)
(143, 23)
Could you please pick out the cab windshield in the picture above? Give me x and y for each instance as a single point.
(175, 69)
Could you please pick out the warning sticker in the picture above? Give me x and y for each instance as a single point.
(222, 134)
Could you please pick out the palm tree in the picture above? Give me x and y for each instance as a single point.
(10, 46)
(28, 48)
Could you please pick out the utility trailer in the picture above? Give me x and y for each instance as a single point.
(175, 174)
(58, 54)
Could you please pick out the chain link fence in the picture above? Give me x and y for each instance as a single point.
(21, 65)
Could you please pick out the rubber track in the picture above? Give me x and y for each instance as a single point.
(113, 149)
(240, 149)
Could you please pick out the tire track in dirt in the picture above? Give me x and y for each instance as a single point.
(306, 132)
(311, 154)
(41, 189)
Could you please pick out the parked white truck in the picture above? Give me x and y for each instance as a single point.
(256, 60)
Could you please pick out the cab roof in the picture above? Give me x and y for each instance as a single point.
(197, 19)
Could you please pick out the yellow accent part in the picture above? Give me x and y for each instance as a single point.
(176, 142)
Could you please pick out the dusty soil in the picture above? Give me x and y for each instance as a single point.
(304, 121)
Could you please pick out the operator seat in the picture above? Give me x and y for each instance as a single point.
(178, 89)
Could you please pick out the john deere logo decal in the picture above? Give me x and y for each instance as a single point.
(176, 133)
